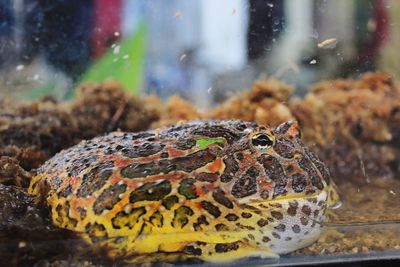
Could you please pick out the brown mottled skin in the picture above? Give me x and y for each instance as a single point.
(215, 190)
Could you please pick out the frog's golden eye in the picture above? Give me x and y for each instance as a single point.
(262, 141)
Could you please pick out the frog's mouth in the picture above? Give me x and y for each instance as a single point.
(257, 199)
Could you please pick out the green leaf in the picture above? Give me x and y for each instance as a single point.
(126, 66)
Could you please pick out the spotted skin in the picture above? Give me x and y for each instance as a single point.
(216, 191)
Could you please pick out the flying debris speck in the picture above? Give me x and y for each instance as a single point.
(20, 67)
(178, 14)
(234, 11)
(392, 192)
(116, 49)
(182, 57)
(312, 62)
(116, 33)
(328, 43)
(209, 90)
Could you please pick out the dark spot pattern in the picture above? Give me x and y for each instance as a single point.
(246, 215)
(211, 208)
(191, 250)
(181, 216)
(320, 166)
(289, 168)
(95, 179)
(304, 220)
(262, 222)
(78, 164)
(143, 150)
(187, 164)
(95, 229)
(82, 212)
(187, 188)
(266, 239)
(221, 227)
(108, 198)
(277, 215)
(306, 210)
(65, 192)
(316, 212)
(55, 182)
(239, 156)
(247, 227)
(231, 217)
(296, 228)
(122, 219)
(170, 201)
(299, 182)
(207, 177)
(185, 144)
(164, 155)
(219, 196)
(63, 215)
(151, 191)
(308, 167)
(274, 170)
(276, 235)
(157, 219)
(285, 148)
(223, 248)
(280, 227)
(231, 168)
(201, 220)
(246, 185)
(292, 210)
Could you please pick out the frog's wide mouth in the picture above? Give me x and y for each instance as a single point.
(284, 198)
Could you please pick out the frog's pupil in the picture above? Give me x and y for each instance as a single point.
(262, 140)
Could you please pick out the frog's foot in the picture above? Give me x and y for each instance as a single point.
(225, 252)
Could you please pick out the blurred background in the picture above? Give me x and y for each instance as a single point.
(200, 49)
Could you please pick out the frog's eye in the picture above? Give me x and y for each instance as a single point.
(262, 141)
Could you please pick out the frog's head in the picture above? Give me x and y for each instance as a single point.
(277, 165)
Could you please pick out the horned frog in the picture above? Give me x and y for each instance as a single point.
(214, 190)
